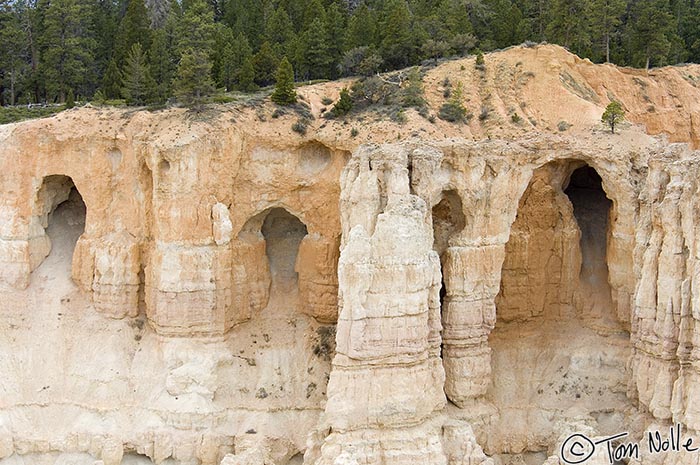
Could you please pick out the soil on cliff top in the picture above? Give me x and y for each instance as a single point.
(522, 91)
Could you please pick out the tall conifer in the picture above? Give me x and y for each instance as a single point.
(284, 93)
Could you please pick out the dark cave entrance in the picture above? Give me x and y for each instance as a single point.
(591, 208)
(557, 347)
(283, 233)
(58, 222)
(448, 220)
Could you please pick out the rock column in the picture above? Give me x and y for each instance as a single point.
(386, 383)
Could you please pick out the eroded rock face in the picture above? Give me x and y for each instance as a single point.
(210, 297)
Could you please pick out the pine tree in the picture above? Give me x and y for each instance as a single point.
(248, 17)
(454, 17)
(480, 62)
(570, 25)
(32, 25)
(435, 49)
(689, 31)
(226, 69)
(397, 45)
(613, 115)
(70, 99)
(317, 58)
(313, 10)
(335, 28)
(535, 14)
(412, 94)
(605, 21)
(279, 32)
(158, 12)
(112, 81)
(232, 55)
(133, 28)
(241, 63)
(360, 60)
(284, 93)
(138, 86)
(196, 29)
(479, 21)
(193, 82)
(507, 24)
(344, 103)
(362, 28)
(652, 28)
(265, 63)
(50, 46)
(106, 25)
(295, 11)
(68, 47)
(246, 76)
(453, 110)
(161, 64)
(13, 50)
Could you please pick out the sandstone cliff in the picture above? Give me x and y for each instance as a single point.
(212, 287)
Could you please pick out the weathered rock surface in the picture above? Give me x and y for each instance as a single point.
(211, 288)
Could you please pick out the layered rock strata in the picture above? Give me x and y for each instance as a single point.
(235, 299)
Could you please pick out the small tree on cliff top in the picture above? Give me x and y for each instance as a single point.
(193, 81)
(344, 104)
(284, 93)
(613, 115)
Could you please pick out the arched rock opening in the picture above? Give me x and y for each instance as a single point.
(283, 355)
(559, 354)
(448, 219)
(283, 233)
(58, 221)
(591, 208)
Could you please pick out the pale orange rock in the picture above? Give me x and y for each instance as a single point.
(205, 288)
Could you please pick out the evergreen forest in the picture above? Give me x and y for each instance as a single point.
(149, 51)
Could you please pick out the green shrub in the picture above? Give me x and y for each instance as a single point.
(412, 93)
(354, 132)
(70, 99)
(303, 110)
(13, 114)
(300, 126)
(99, 97)
(326, 100)
(453, 110)
(221, 98)
(118, 102)
(399, 116)
(343, 105)
(480, 62)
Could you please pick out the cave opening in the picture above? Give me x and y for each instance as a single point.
(448, 219)
(591, 209)
(283, 355)
(57, 223)
(558, 352)
(283, 233)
